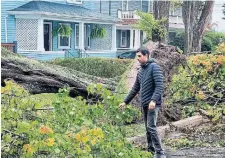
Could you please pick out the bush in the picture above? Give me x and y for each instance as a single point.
(107, 68)
(215, 37)
(221, 48)
(210, 40)
(200, 86)
(71, 129)
(178, 40)
(206, 44)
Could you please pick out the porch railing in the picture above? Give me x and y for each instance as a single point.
(83, 53)
(68, 54)
(127, 15)
(10, 46)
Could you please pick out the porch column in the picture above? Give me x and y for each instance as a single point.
(137, 39)
(40, 41)
(114, 37)
(81, 35)
(131, 39)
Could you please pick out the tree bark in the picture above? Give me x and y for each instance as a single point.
(161, 10)
(40, 80)
(196, 17)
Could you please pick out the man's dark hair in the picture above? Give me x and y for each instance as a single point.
(143, 50)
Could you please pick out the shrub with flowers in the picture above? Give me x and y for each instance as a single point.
(221, 48)
(200, 85)
(70, 128)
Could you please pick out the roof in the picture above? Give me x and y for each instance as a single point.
(43, 7)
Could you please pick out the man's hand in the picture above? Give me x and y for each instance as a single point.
(122, 106)
(151, 105)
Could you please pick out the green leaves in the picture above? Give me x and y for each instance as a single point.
(72, 128)
(23, 127)
(152, 27)
(64, 30)
(98, 32)
(201, 84)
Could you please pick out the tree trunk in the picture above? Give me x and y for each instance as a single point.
(196, 17)
(202, 23)
(186, 19)
(161, 10)
(40, 80)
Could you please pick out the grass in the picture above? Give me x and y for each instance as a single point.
(44, 99)
(134, 129)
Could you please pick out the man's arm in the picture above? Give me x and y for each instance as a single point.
(159, 83)
(135, 89)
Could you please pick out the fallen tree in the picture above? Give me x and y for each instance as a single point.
(39, 77)
(169, 58)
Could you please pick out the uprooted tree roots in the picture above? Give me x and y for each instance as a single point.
(169, 59)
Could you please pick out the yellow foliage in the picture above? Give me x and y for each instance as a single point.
(46, 130)
(220, 60)
(85, 139)
(89, 136)
(28, 148)
(209, 62)
(93, 141)
(13, 88)
(78, 137)
(200, 95)
(221, 48)
(50, 141)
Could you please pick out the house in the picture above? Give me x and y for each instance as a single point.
(175, 22)
(30, 23)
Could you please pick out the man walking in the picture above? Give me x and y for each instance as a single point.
(149, 82)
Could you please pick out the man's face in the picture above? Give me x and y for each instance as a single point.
(142, 58)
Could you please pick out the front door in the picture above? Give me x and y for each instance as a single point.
(123, 38)
(47, 36)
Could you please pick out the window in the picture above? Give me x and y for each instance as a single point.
(76, 36)
(63, 42)
(85, 34)
(75, 1)
(89, 32)
(123, 38)
(124, 5)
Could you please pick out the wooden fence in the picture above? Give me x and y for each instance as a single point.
(10, 46)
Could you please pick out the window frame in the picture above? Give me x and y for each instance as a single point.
(64, 47)
(75, 35)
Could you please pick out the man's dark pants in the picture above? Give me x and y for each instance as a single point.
(154, 142)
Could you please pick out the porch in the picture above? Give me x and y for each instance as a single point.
(34, 29)
(128, 38)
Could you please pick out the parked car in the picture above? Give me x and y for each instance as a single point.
(127, 55)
